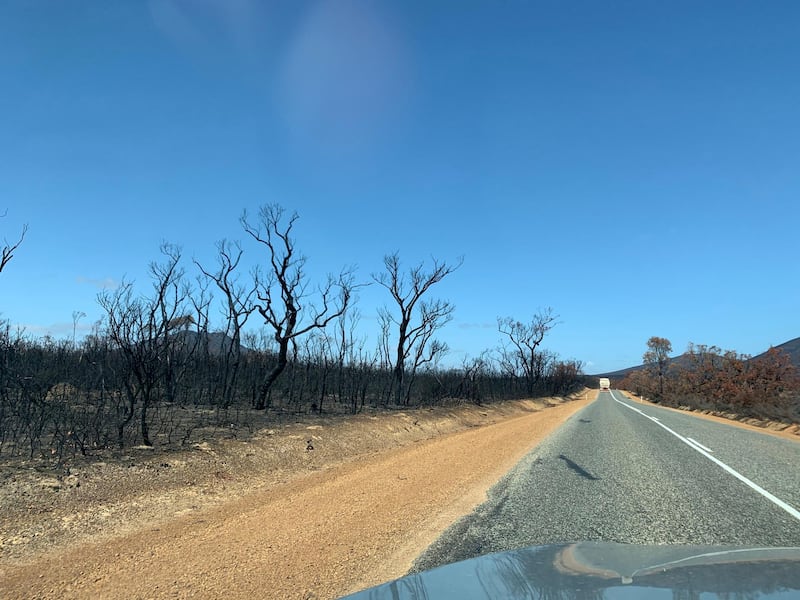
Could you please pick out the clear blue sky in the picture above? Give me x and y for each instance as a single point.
(634, 165)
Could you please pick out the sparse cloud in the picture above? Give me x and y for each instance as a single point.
(203, 29)
(175, 24)
(345, 77)
(104, 284)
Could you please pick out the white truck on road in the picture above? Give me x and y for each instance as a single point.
(605, 384)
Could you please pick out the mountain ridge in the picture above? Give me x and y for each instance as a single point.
(790, 347)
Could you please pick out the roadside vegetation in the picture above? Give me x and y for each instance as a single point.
(709, 378)
(163, 369)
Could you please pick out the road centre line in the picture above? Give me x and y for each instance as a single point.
(701, 449)
(696, 443)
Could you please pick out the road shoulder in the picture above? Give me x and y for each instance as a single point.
(787, 435)
(318, 536)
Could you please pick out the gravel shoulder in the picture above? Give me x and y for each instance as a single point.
(314, 510)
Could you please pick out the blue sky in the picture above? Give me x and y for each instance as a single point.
(633, 165)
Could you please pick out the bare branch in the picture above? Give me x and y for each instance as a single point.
(283, 293)
(523, 358)
(406, 289)
(7, 252)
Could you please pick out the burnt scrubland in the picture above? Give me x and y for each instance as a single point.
(236, 518)
(162, 370)
(725, 382)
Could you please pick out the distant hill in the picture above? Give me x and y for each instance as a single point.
(217, 341)
(792, 348)
(622, 373)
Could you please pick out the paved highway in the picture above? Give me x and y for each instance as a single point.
(625, 472)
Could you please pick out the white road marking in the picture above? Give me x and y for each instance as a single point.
(692, 444)
(696, 443)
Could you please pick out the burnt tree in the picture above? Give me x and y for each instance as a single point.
(656, 359)
(140, 328)
(285, 301)
(238, 306)
(7, 252)
(522, 356)
(416, 320)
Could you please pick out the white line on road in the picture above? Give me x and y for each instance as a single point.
(705, 452)
(696, 443)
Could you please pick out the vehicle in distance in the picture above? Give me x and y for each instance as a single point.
(605, 384)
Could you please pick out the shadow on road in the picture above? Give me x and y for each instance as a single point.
(578, 469)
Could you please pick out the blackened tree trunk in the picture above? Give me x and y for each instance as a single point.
(282, 292)
(414, 327)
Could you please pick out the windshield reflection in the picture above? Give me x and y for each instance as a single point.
(598, 570)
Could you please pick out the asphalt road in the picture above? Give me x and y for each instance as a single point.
(624, 472)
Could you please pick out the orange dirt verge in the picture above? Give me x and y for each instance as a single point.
(317, 536)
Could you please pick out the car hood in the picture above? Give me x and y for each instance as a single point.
(611, 571)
